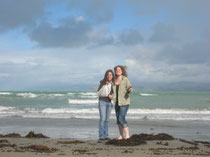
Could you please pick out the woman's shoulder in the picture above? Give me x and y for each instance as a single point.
(102, 82)
(124, 77)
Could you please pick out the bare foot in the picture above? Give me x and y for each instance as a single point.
(120, 138)
(127, 138)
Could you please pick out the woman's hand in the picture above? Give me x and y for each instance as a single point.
(110, 96)
(129, 89)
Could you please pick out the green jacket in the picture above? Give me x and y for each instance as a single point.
(123, 94)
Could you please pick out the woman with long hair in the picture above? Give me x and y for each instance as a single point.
(121, 89)
(104, 104)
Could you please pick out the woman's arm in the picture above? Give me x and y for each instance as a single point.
(100, 85)
(111, 92)
(129, 86)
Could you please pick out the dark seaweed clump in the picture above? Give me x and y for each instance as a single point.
(138, 139)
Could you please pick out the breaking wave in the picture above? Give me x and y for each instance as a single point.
(147, 94)
(79, 101)
(93, 113)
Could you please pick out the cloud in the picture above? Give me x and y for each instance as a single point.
(97, 11)
(179, 10)
(196, 52)
(4, 75)
(206, 32)
(77, 32)
(14, 13)
(163, 33)
(77, 67)
(164, 63)
(104, 36)
(70, 33)
(101, 37)
(130, 37)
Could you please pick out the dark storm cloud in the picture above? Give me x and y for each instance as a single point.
(197, 52)
(103, 40)
(163, 33)
(181, 10)
(15, 13)
(98, 11)
(74, 32)
(206, 32)
(70, 33)
(191, 53)
(130, 37)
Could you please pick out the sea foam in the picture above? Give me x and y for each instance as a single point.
(5, 93)
(70, 110)
(92, 113)
(89, 93)
(27, 95)
(56, 95)
(79, 101)
(148, 94)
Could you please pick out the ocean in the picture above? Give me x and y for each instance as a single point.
(78, 110)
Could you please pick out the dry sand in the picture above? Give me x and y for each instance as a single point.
(36, 146)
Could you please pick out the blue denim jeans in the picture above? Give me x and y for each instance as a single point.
(121, 112)
(104, 111)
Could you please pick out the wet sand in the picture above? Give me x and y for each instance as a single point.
(87, 129)
(145, 145)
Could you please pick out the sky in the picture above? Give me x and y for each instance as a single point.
(69, 44)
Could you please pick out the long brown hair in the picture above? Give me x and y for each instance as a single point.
(105, 76)
(123, 68)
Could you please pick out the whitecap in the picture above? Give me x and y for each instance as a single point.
(56, 95)
(5, 93)
(148, 94)
(3, 108)
(71, 93)
(27, 95)
(70, 110)
(79, 101)
(88, 96)
(168, 111)
(89, 93)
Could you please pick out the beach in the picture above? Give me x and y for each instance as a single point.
(78, 137)
(87, 129)
(35, 146)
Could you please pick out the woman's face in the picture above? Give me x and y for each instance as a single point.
(109, 76)
(118, 71)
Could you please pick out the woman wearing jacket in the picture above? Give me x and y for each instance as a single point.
(121, 99)
(104, 104)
